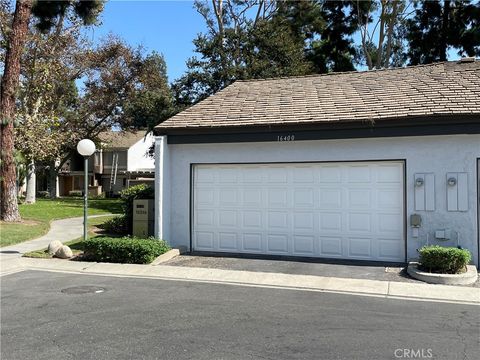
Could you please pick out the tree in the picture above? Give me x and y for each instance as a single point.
(382, 28)
(245, 40)
(335, 50)
(47, 12)
(123, 88)
(437, 26)
(47, 92)
(10, 78)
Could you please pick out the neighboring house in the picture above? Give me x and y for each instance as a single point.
(329, 166)
(121, 161)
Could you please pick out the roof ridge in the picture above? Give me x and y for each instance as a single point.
(458, 61)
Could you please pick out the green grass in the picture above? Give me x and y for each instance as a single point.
(76, 245)
(36, 217)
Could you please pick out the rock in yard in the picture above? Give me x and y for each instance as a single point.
(54, 246)
(64, 252)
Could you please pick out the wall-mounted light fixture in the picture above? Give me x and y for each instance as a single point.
(452, 181)
(419, 182)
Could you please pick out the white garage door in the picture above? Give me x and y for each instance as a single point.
(335, 210)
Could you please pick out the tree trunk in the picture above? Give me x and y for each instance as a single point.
(10, 79)
(445, 26)
(52, 182)
(391, 25)
(30, 198)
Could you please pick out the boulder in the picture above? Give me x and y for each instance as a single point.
(64, 252)
(54, 246)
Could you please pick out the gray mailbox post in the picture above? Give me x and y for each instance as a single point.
(143, 218)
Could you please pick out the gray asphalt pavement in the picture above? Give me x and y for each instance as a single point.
(157, 319)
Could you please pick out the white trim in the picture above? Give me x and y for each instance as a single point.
(162, 189)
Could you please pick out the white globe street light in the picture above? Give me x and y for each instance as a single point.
(86, 148)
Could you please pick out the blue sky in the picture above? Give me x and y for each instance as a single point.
(167, 27)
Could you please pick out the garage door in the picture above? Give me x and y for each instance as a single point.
(334, 210)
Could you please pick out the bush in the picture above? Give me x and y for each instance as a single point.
(43, 194)
(116, 225)
(76, 193)
(445, 260)
(128, 250)
(141, 191)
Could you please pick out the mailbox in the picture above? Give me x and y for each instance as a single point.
(143, 218)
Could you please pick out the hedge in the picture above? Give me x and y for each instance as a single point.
(445, 260)
(129, 250)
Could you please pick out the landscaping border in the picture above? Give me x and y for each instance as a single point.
(467, 278)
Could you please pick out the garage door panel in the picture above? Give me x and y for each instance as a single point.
(359, 198)
(359, 247)
(277, 197)
(278, 220)
(330, 174)
(227, 241)
(337, 210)
(359, 173)
(389, 198)
(252, 242)
(252, 197)
(389, 248)
(303, 198)
(204, 240)
(205, 218)
(330, 198)
(277, 243)
(304, 245)
(330, 222)
(360, 222)
(227, 218)
(252, 219)
(331, 246)
(389, 223)
(303, 221)
(389, 174)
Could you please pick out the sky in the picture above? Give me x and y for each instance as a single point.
(167, 27)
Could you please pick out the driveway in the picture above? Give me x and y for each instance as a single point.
(299, 266)
(157, 319)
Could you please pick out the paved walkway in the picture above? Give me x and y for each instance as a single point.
(69, 229)
(64, 230)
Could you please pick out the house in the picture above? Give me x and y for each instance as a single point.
(357, 165)
(122, 160)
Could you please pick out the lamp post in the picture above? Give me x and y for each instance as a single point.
(86, 148)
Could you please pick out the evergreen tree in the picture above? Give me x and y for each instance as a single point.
(438, 26)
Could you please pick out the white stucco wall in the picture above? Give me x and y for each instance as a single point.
(138, 158)
(426, 154)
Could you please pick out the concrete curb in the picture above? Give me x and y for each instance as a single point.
(360, 287)
(466, 278)
(168, 255)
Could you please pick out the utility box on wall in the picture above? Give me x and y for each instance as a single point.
(143, 217)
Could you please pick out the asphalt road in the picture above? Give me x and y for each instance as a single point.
(156, 319)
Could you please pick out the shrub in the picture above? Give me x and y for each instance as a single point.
(141, 191)
(128, 250)
(43, 194)
(116, 225)
(445, 260)
(76, 193)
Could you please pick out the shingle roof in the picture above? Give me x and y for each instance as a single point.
(447, 88)
(120, 139)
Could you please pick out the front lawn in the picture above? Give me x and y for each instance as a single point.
(77, 244)
(36, 217)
